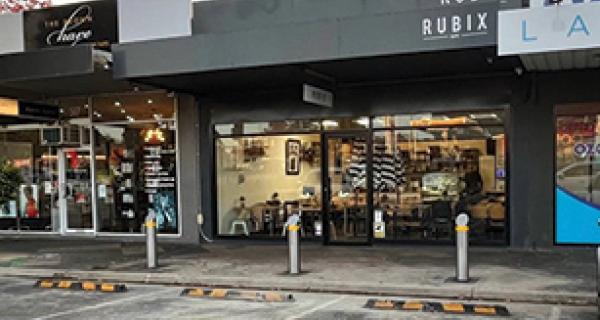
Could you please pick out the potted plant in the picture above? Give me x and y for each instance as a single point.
(10, 180)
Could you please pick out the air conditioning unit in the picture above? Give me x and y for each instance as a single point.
(66, 135)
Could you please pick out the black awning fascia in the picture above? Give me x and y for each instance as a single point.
(47, 63)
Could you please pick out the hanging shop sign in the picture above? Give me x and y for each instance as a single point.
(317, 96)
(92, 22)
(16, 6)
(14, 108)
(549, 29)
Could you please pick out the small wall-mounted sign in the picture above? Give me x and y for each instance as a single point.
(317, 96)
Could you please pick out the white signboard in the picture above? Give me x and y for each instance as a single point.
(317, 96)
(546, 29)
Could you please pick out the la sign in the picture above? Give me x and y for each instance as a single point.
(549, 29)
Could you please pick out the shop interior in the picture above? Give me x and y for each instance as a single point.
(405, 178)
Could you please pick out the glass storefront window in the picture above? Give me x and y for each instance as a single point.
(263, 179)
(34, 204)
(136, 163)
(424, 177)
(577, 173)
(446, 119)
(136, 174)
(360, 123)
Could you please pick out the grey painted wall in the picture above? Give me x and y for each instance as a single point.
(231, 15)
(531, 150)
(251, 33)
(189, 167)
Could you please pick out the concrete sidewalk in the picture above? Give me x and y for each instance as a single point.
(563, 275)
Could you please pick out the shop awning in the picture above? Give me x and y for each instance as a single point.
(57, 72)
(359, 71)
(356, 42)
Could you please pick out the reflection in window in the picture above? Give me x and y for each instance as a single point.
(262, 180)
(577, 151)
(424, 177)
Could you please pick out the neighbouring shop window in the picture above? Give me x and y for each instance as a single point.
(30, 165)
(428, 168)
(261, 180)
(577, 173)
(30, 179)
(136, 162)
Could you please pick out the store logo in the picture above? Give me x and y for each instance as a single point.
(455, 26)
(578, 27)
(70, 33)
(583, 150)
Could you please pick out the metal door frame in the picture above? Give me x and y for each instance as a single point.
(326, 192)
(62, 177)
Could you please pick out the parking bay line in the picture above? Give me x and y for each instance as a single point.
(317, 308)
(100, 305)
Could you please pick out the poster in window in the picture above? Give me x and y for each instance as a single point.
(163, 205)
(577, 175)
(28, 201)
(292, 157)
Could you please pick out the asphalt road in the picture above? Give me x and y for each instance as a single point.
(19, 300)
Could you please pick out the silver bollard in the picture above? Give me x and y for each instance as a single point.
(462, 248)
(151, 255)
(293, 232)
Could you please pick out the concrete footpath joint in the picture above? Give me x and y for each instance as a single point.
(428, 306)
(72, 284)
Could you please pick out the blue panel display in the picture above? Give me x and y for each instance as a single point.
(576, 219)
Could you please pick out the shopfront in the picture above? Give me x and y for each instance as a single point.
(101, 153)
(404, 176)
(99, 167)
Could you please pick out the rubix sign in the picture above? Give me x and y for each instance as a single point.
(15, 6)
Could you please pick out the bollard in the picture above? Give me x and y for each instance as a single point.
(462, 248)
(293, 233)
(151, 256)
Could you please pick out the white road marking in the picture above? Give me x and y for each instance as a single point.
(101, 305)
(555, 314)
(317, 308)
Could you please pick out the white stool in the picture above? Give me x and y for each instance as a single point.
(241, 223)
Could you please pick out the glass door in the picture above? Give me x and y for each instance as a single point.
(76, 191)
(347, 181)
